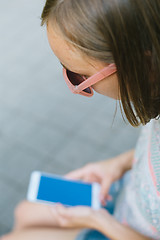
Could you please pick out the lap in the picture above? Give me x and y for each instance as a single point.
(91, 235)
(42, 233)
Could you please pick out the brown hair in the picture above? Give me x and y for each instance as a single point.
(126, 32)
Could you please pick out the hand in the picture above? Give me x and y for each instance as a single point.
(73, 217)
(100, 220)
(104, 172)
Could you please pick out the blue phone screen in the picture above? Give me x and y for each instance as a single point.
(63, 191)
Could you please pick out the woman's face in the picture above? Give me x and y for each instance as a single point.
(77, 62)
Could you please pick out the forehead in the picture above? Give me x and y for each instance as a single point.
(70, 56)
(57, 41)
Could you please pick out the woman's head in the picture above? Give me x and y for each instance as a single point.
(100, 32)
(80, 65)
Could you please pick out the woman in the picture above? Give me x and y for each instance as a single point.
(113, 47)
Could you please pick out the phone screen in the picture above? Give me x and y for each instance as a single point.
(69, 193)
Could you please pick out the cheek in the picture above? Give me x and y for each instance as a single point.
(108, 87)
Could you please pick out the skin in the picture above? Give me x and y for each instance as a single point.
(76, 61)
(43, 222)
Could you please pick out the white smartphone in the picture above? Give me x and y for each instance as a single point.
(50, 189)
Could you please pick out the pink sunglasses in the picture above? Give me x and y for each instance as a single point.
(79, 84)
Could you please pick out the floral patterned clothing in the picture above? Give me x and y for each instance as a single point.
(138, 204)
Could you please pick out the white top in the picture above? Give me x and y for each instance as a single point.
(138, 204)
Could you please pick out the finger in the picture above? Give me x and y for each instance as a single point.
(109, 198)
(104, 201)
(76, 174)
(88, 179)
(60, 209)
(91, 178)
(64, 211)
(62, 218)
(104, 190)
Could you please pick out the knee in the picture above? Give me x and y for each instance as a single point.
(20, 210)
(6, 237)
(20, 213)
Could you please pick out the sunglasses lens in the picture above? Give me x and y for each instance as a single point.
(76, 79)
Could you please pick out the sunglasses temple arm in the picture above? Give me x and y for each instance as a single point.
(96, 78)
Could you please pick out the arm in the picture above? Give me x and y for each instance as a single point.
(104, 172)
(126, 160)
(100, 220)
(111, 228)
(30, 215)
